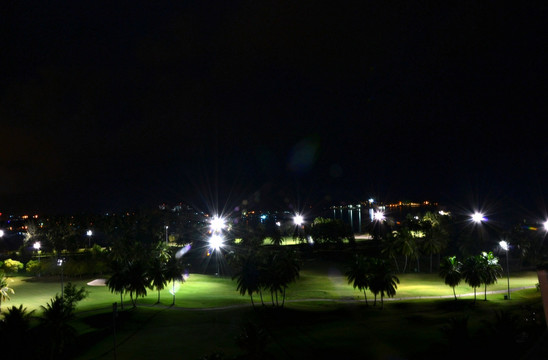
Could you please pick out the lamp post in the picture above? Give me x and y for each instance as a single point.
(60, 264)
(216, 242)
(37, 246)
(89, 233)
(167, 241)
(505, 246)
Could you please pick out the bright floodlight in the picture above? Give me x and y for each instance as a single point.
(37, 245)
(378, 215)
(89, 233)
(217, 224)
(504, 245)
(478, 217)
(1, 233)
(216, 241)
(545, 225)
(298, 219)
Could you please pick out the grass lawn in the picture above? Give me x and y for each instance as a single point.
(197, 326)
(410, 330)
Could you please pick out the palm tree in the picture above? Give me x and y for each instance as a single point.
(14, 329)
(472, 272)
(118, 280)
(174, 272)
(383, 280)
(407, 245)
(157, 269)
(434, 240)
(450, 271)
(287, 270)
(56, 330)
(157, 275)
(491, 270)
(4, 289)
(390, 247)
(137, 280)
(247, 275)
(358, 274)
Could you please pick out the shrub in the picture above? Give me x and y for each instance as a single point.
(13, 266)
(33, 267)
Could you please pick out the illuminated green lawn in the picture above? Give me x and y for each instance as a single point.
(199, 324)
(326, 281)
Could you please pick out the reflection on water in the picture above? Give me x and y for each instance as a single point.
(353, 216)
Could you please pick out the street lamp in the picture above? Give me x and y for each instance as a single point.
(217, 224)
(379, 215)
(60, 264)
(298, 219)
(1, 233)
(216, 242)
(505, 246)
(36, 247)
(89, 233)
(167, 241)
(478, 217)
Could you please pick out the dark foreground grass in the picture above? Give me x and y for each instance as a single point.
(321, 330)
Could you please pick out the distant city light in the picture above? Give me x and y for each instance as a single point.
(37, 245)
(89, 233)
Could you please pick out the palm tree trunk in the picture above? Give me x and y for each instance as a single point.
(396, 262)
(430, 263)
(277, 304)
(365, 296)
(121, 301)
(261, 295)
(405, 265)
(454, 293)
(158, 297)
(474, 295)
(252, 303)
(485, 299)
(173, 292)
(382, 301)
(283, 299)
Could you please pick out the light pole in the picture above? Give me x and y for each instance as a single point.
(37, 246)
(216, 242)
(60, 264)
(89, 233)
(167, 241)
(506, 247)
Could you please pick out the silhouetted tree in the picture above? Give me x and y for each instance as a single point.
(450, 271)
(358, 274)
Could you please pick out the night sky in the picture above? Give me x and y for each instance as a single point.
(106, 106)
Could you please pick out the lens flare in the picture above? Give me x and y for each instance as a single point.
(182, 251)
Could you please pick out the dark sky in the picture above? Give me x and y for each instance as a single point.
(110, 105)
